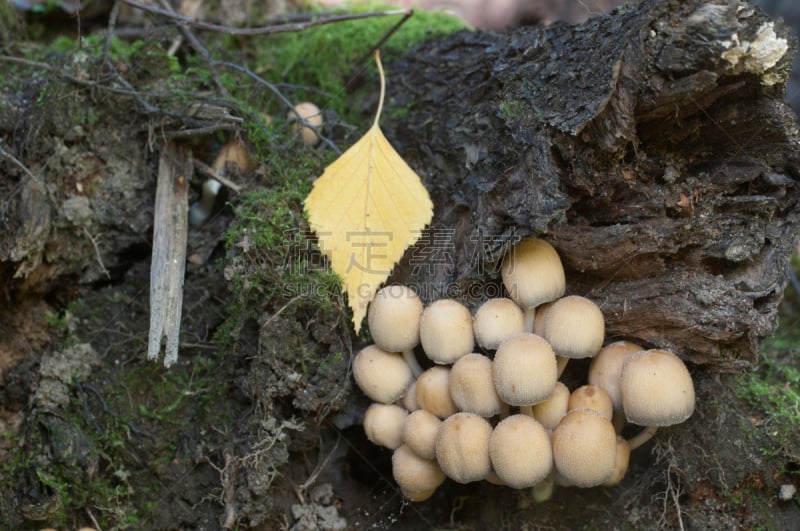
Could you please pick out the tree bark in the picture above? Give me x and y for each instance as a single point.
(652, 147)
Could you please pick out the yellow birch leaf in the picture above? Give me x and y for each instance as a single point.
(367, 208)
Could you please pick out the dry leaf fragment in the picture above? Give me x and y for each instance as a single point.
(367, 208)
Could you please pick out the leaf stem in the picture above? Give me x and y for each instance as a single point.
(383, 87)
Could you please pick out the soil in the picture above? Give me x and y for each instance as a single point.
(258, 424)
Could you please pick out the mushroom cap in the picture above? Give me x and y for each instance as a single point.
(393, 318)
(472, 385)
(382, 376)
(623, 460)
(445, 331)
(520, 451)
(383, 425)
(233, 153)
(495, 320)
(657, 389)
(605, 370)
(585, 448)
(575, 327)
(419, 433)
(525, 370)
(538, 321)
(414, 474)
(591, 397)
(433, 391)
(312, 115)
(550, 412)
(462, 447)
(532, 273)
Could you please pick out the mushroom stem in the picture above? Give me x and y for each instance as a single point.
(505, 410)
(562, 364)
(526, 410)
(530, 316)
(200, 211)
(618, 420)
(411, 359)
(543, 490)
(643, 436)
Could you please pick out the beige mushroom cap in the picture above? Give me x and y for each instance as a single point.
(657, 389)
(575, 327)
(585, 448)
(419, 433)
(409, 400)
(520, 451)
(472, 385)
(433, 391)
(312, 115)
(445, 331)
(623, 460)
(591, 397)
(232, 154)
(382, 376)
(532, 273)
(383, 425)
(462, 447)
(393, 318)
(605, 369)
(496, 320)
(525, 370)
(414, 474)
(550, 412)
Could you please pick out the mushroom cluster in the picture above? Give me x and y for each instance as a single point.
(489, 404)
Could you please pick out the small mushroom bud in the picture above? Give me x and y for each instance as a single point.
(445, 331)
(550, 412)
(382, 376)
(462, 447)
(533, 274)
(496, 320)
(623, 459)
(433, 392)
(585, 448)
(383, 425)
(419, 433)
(575, 327)
(605, 369)
(472, 385)
(520, 451)
(311, 115)
(417, 477)
(393, 318)
(525, 371)
(591, 397)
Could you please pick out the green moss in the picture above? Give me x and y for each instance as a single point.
(774, 391)
(316, 64)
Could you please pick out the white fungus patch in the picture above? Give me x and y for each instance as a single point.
(759, 55)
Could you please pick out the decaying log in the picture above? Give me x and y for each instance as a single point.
(652, 147)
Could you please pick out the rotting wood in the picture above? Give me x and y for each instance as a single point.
(652, 147)
(170, 225)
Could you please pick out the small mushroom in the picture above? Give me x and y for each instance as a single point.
(445, 331)
(433, 391)
(472, 385)
(496, 320)
(657, 390)
(383, 425)
(417, 477)
(524, 370)
(419, 433)
(409, 400)
(550, 412)
(311, 117)
(532, 274)
(462, 447)
(591, 397)
(585, 448)
(520, 451)
(382, 376)
(605, 369)
(393, 318)
(623, 459)
(575, 327)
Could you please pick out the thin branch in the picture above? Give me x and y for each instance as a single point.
(263, 30)
(208, 171)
